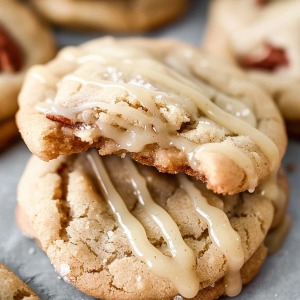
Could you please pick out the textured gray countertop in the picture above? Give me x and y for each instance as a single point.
(279, 277)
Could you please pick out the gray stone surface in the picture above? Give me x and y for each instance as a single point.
(278, 278)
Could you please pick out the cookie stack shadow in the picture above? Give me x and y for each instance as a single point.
(185, 183)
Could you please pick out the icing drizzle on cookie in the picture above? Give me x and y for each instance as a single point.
(180, 268)
(147, 125)
(222, 235)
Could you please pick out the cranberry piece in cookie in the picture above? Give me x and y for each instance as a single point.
(11, 58)
(271, 60)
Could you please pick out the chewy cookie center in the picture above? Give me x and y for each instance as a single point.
(11, 58)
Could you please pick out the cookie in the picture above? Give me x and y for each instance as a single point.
(122, 16)
(163, 101)
(12, 287)
(19, 49)
(116, 229)
(262, 39)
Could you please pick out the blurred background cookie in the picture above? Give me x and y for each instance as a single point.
(24, 41)
(13, 288)
(262, 38)
(114, 16)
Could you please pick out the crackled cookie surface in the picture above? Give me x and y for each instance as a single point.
(112, 16)
(12, 287)
(164, 102)
(19, 49)
(263, 39)
(119, 230)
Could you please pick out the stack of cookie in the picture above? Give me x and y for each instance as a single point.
(126, 221)
(19, 49)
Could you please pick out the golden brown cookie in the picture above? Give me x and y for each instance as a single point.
(262, 39)
(101, 236)
(113, 16)
(13, 288)
(20, 48)
(163, 101)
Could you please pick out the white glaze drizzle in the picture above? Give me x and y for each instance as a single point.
(179, 269)
(222, 235)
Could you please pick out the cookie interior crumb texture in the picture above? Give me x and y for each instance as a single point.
(163, 101)
(61, 205)
(13, 288)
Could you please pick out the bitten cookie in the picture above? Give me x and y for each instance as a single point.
(120, 230)
(262, 38)
(113, 16)
(163, 101)
(20, 48)
(12, 287)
